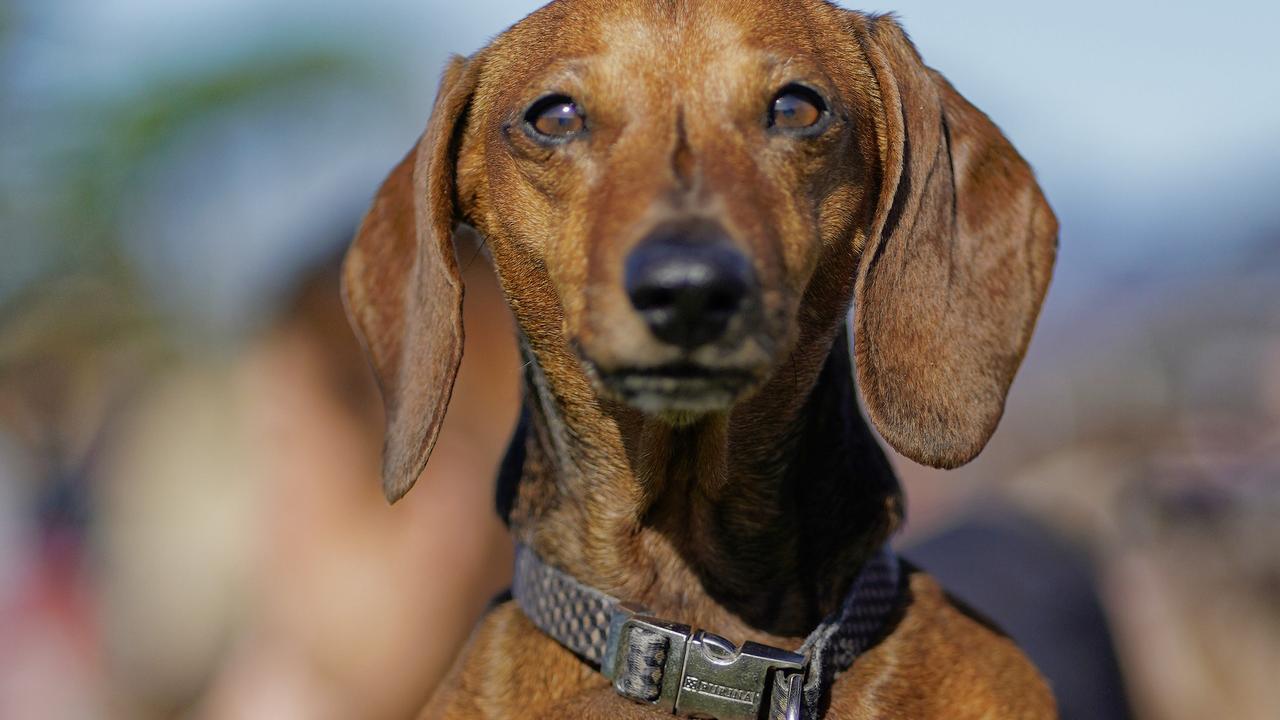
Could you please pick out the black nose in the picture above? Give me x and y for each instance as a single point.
(688, 282)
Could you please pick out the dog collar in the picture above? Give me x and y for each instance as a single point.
(693, 672)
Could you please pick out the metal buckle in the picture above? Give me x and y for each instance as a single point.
(704, 674)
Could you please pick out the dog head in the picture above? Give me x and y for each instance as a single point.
(682, 195)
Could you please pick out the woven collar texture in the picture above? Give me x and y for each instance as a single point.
(693, 672)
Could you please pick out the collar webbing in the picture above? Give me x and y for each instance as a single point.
(692, 671)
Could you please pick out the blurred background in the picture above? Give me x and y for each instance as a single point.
(190, 522)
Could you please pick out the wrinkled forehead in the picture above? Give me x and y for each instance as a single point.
(633, 47)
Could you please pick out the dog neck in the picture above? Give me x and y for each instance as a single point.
(754, 522)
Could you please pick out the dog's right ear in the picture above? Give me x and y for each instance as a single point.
(403, 290)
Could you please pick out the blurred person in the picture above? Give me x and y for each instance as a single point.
(1187, 553)
(251, 565)
(358, 608)
(1196, 587)
(72, 350)
(1177, 501)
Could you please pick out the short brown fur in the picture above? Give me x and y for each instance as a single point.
(752, 519)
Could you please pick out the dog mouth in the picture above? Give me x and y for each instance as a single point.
(677, 388)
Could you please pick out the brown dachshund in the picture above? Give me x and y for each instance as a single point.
(683, 200)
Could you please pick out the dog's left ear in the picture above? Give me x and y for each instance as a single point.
(403, 290)
(956, 268)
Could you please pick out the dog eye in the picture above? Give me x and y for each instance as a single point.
(556, 117)
(796, 108)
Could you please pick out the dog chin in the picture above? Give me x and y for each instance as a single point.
(678, 394)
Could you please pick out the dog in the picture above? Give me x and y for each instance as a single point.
(683, 200)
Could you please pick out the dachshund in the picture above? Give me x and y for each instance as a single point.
(685, 201)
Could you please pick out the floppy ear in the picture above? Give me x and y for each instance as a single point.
(951, 282)
(403, 291)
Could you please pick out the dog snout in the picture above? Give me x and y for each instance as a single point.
(688, 282)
